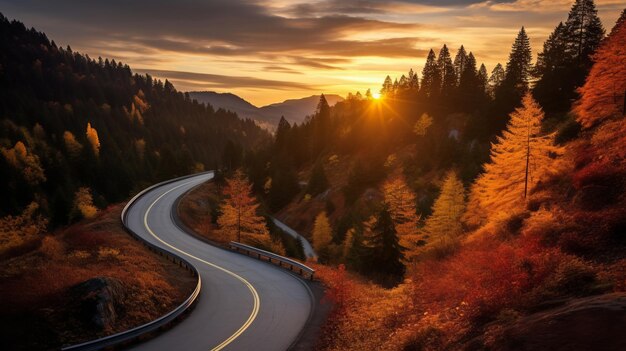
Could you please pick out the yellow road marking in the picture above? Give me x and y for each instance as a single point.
(255, 295)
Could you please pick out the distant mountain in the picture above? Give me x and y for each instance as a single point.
(294, 110)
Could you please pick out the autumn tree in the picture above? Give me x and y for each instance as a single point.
(422, 124)
(604, 94)
(322, 234)
(239, 220)
(92, 136)
(72, 146)
(83, 203)
(444, 226)
(520, 158)
(25, 161)
(400, 201)
(18, 229)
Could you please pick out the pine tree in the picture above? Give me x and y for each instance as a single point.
(518, 68)
(413, 82)
(387, 89)
(566, 58)
(321, 126)
(483, 78)
(584, 30)
(446, 70)
(603, 96)
(496, 79)
(239, 220)
(318, 182)
(459, 62)
(520, 158)
(282, 132)
(431, 77)
(322, 233)
(444, 225)
(383, 253)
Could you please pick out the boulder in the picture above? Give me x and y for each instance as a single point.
(593, 323)
(99, 302)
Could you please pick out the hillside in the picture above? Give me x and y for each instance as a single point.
(69, 121)
(294, 110)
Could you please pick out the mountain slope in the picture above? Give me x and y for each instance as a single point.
(294, 110)
(68, 121)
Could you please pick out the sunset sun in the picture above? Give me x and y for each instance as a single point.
(376, 96)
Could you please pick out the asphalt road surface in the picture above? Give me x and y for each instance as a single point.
(244, 304)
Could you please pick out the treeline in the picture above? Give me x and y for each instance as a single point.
(70, 122)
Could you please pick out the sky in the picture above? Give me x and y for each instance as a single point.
(267, 51)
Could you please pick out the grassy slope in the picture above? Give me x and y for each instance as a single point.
(35, 286)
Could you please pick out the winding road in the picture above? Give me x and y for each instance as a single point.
(244, 304)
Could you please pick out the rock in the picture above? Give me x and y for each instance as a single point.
(593, 323)
(99, 302)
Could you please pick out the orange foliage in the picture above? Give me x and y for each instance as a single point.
(92, 136)
(604, 92)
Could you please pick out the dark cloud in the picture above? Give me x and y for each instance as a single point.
(217, 27)
(220, 81)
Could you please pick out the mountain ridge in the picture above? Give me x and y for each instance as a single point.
(294, 110)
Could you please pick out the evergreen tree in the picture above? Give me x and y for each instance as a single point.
(496, 79)
(431, 77)
(413, 81)
(459, 62)
(446, 70)
(382, 249)
(387, 89)
(518, 68)
(520, 158)
(321, 126)
(318, 182)
(483, 78)
(584, 31)
(566, 58)
(282, 132)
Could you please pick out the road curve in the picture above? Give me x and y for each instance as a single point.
(244, 304)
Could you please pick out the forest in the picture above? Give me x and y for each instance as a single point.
(447, 209)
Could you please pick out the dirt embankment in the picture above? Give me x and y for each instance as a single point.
(83, 282)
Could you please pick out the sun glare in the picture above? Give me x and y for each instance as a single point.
(376, 96)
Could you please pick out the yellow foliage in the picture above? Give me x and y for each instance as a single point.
(71, 144)
(322, 233)
(27, 163)
(16, 230)
(422, 125)
(444, 225)
(92, 136)
(83, 201)
(239, 220)
(401, 202)
(520, 158)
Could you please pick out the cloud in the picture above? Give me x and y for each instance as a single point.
(221, 81)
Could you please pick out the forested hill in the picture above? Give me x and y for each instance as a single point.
(68, 121)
